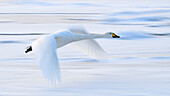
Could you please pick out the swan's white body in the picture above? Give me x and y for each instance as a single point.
(45, 48)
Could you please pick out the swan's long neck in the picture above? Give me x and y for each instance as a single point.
(87, 36)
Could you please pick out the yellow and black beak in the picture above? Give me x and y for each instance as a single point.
(114, 35)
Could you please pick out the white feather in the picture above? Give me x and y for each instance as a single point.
(45, 49)
(90, 46)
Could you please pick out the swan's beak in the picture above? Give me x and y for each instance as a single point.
(115, 36)
(28, 49)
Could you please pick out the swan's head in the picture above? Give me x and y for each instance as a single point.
(28, 49)
(111, 35)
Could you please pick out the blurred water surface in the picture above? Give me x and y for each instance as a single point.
(140, 59)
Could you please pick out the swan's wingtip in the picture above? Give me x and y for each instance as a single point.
(105, 56)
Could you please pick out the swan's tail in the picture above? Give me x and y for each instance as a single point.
(45, 49)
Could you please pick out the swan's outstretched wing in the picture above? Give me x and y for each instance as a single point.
(45, 48)
(90, 47)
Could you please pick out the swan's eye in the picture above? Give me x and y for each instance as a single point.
(110, 33)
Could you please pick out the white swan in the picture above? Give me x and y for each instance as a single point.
(45, 48)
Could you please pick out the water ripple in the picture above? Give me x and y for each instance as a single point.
(14, 34)
(140, 12)
(10, 41)
(14, 59)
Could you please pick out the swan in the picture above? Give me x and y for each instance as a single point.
(45, 49)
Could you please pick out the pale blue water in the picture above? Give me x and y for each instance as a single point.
(140, 63)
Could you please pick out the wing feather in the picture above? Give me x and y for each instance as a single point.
(89, 47)
(45, 49)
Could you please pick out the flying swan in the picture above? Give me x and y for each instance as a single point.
(45, 49)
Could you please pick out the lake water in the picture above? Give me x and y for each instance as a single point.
(140, 59)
